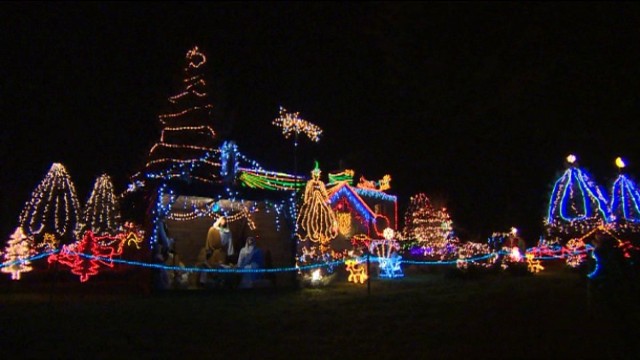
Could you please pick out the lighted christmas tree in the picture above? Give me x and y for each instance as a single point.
(53, 208)
(625, 199)
(425, 224)
(102, 214)
(16, 253)
(187, 148)
(577, 204)
(86, 256)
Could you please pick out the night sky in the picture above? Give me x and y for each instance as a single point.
(476, 105)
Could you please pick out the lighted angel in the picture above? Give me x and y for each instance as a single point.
(316, 217)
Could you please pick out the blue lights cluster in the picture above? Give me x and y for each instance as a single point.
(624, 200)
(394, 268)
(355, 200)
(376, 194)
(576, 197)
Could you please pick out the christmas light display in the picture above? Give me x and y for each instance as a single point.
(86, 256)
(577, 203)
(102, 215)
(533, 264)
(16, 255)
(188, 140)
(50, 242)
(53, 208)
(384, 183)
(387, 252)
(344, 223)
(131, 236)
(429, 226)
(291, 123)
(475, 254)
(576, 252)
(354, 200)
(343, 176)
(269, 180)
(357, 271)
(316, 218)
(625, 198)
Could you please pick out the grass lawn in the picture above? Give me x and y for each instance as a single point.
(424, 315)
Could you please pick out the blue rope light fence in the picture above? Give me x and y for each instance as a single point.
(268, 270)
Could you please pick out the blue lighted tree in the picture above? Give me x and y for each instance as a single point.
(625, 198)
(577, 204)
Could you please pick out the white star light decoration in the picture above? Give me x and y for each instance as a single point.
(291, 123)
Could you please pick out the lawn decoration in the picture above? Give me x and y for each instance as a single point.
(316, 219)
(16, 255)
(357, 271)
(86, 256)
(387, 252)
(533, 265)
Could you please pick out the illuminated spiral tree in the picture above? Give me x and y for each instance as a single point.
(425, 224)
(102, 214)
(577, 204)
(53, 208)
(16, 253)
(316, 218)
(188, 142)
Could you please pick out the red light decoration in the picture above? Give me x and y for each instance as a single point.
(86, 256)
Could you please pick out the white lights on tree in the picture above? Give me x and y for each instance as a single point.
(53, 208)
(102, 215)
(17, 252)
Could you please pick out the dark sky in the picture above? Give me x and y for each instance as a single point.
(475, 104)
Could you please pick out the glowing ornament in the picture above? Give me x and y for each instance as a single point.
(620, 163)
(16, 254)
(571, 159)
